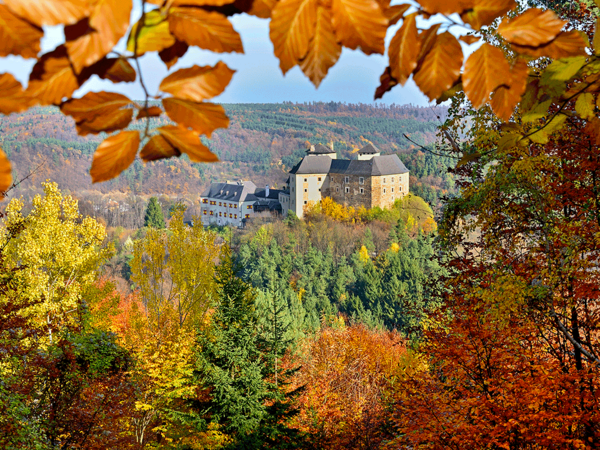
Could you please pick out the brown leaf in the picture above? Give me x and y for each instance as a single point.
(5, 174)
(258, 8)
(152, 111)
(485, 70)
(566, 44)
(158, 148)
(105, 124)
(291, 29)
(395, 13)
(446, 6)
(404, 50)
(52, 78)
(94, 104)
(114, 155)
(89, 40)
(532, 28)
(12, 97)
(188, 142)
(360, 23)
(50, 12)
(18, 37)
(208, 30)
(198, 83)
(440, 67)
(323, 49)
(153, 36)
(201, 117)
(469, 39)
(117, 70)
(484, 12)
(200, 2)
(170, 55)
(386, 83)
(506, 98)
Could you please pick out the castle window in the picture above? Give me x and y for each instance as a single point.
(220, 214)
(292, 189)
(331, 178)
(392, 179)
(347, 190)
(384, 190)
(235, 216)
(319, 178)
(306, 180)
(337, 189)
(204, 212)
(305, 202)
(211, 213)
(392, 189)
(220, 203)
(305, 190)
(249, 207)
(384, 181)
(361, 180)
(362, 190)
(204, 200)
(319, 189)
(247, 216)
(346, 179)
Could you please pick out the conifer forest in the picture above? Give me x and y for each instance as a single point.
(462, 314)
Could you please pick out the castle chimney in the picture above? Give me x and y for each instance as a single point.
(331, 146)
(267, 191)
(312, 148)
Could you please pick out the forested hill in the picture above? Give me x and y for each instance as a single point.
(263, 142)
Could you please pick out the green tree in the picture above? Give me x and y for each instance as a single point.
(154, 216)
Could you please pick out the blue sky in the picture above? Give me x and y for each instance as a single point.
(258, 78)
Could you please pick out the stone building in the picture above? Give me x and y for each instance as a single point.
(370, 180)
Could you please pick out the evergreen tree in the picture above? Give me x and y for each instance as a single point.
(154, 216)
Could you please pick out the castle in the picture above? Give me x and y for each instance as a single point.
(370, 180)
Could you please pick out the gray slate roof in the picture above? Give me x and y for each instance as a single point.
(376, 166)
(260, 195)
(320, 149)
(230, 192)
(369, 149)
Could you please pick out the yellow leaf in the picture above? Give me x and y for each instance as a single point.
(91, 39)
(404, 50)
(291, 29)
(440, 67)
(114, 155)
(198, 83)
(158, 148)
(542, 135)
(187, 142)
(17, 36)
(485, 70)
(585, 105)
(208, 30)
(532, 28)
(201, 117)
(508, 142)
(484, 12)
(5, 174)
(506, 98)
(153, 36)
(446, 6)
(50, 12)
(52, 78)
(12, 97)
(360, 23)
(597, 36)
(323, 49)
(566, 44)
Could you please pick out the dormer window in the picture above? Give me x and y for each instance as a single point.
(361, 180)
(346, 179)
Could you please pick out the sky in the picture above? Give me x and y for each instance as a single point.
(258, 78)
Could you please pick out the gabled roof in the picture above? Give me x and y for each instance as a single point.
(233, 192)
(376, 166)
(320, 149)
(369, 149)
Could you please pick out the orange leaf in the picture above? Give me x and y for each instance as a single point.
(506, 98)
(566, 44)
(5, 174)
(395, 13)
(50, 12)
(485, 70)
(114, 155)
(201, 2)
(153, 111)
(360, 23)
(107, 124)
(291, 29)
(469, 39)
(52, 78)
(12, 97)
(440, 67)
(188, 142)
(118, 70)
(92, 38)
(18, 37)
(427, 39)
(153, 36)
(446, 6)
(170, 55)
(532, 28)
(198, 83)
(94, 104)
(208, 30)
(404, 50)
(323, 49)
(258, 8)
(158, 148)
(201, 117)
(386, 83)
(484, 12)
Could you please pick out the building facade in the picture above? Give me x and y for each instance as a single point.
(371, 180)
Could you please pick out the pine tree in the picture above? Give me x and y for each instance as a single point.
(154, 216)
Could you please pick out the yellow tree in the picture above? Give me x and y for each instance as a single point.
(58, 254)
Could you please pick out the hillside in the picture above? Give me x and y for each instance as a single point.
(263, 142)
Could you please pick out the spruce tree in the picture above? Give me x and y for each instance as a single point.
(154, 216)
